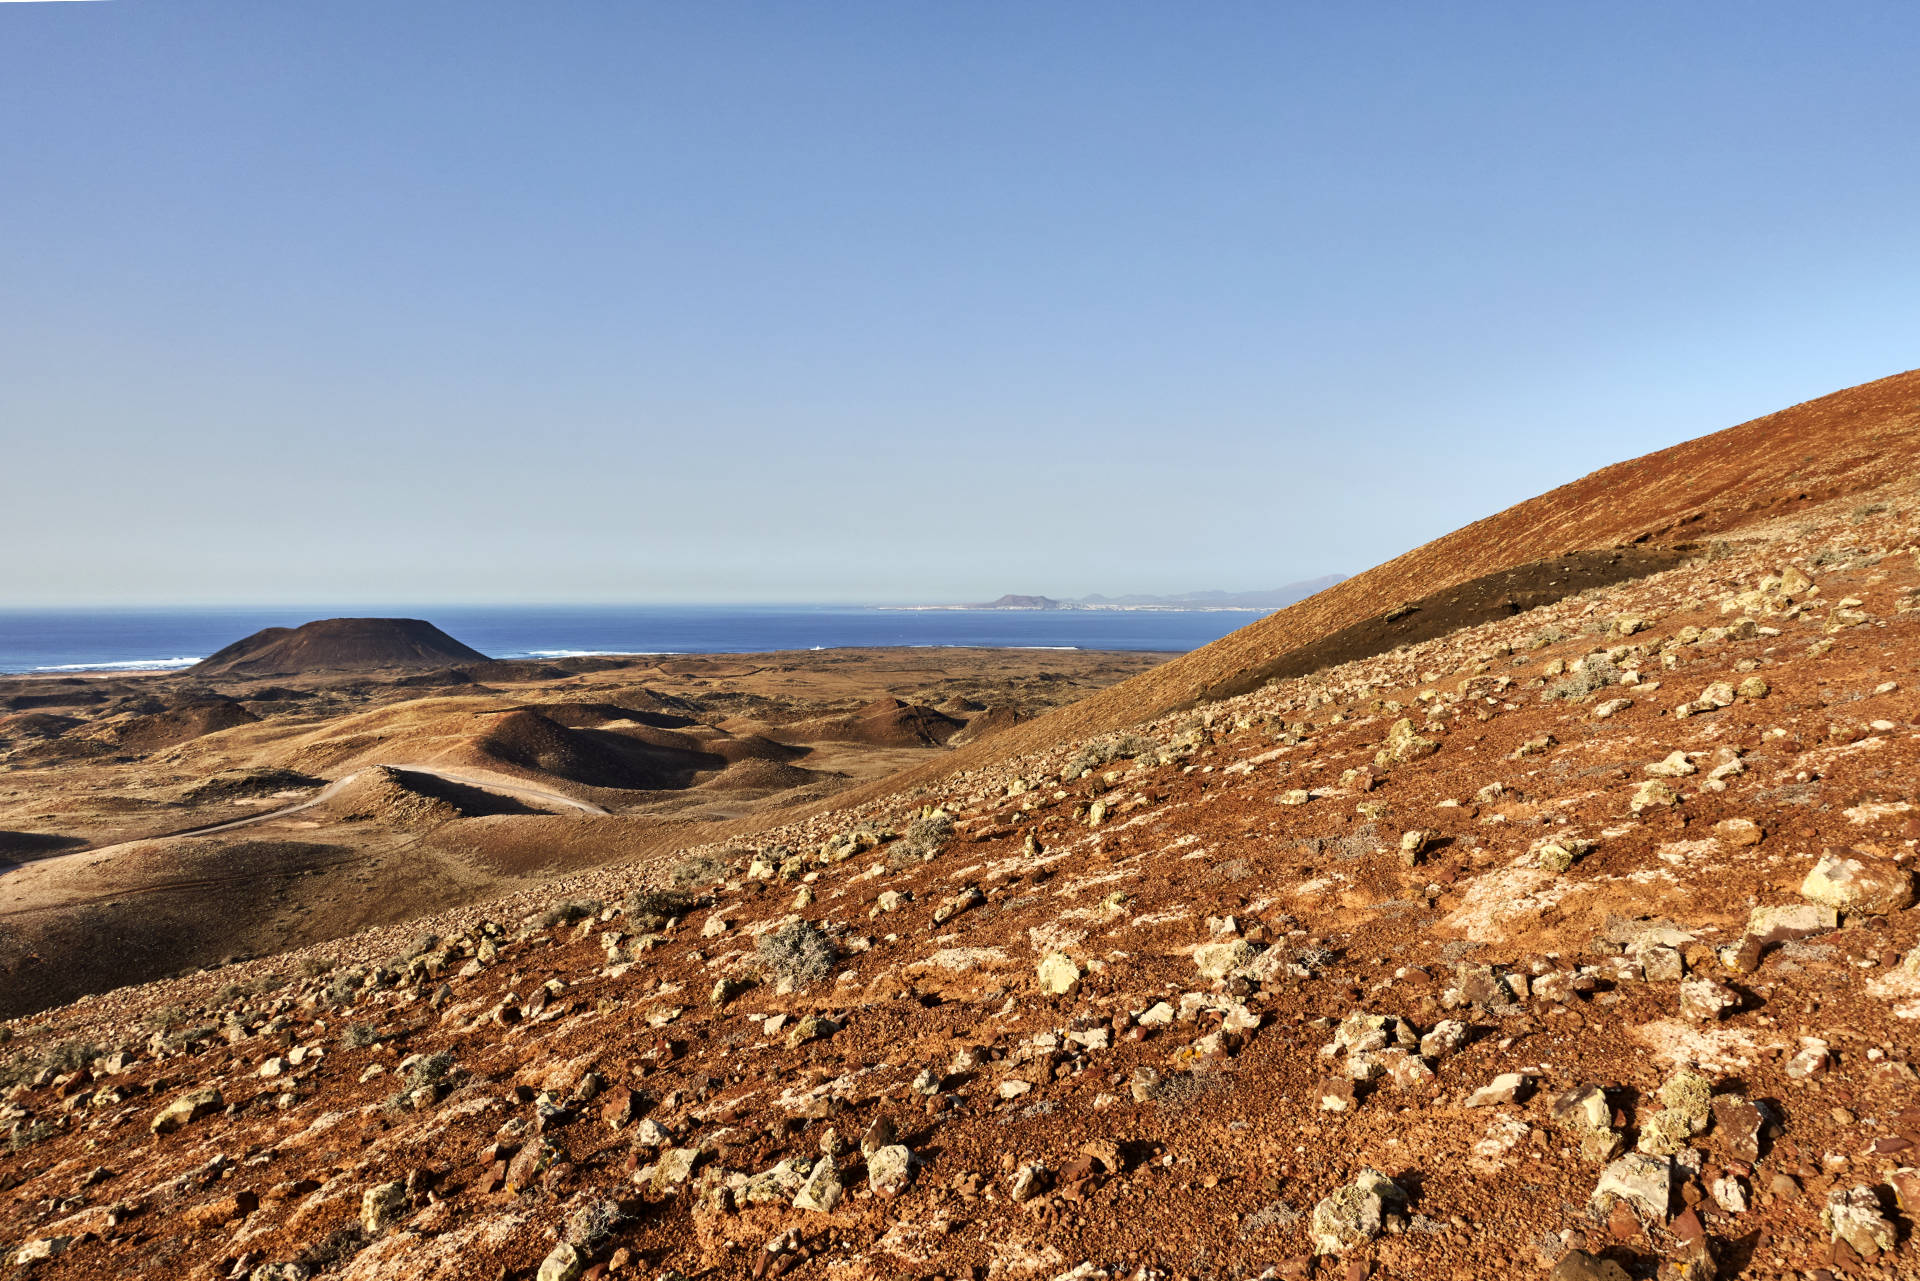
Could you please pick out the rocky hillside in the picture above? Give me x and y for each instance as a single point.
(1578, 943)
(1848, 443)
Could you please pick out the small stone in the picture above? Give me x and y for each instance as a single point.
(1676, 765)
(188, 1108)
(1578, 1265)
(1028, 1182)
(1738, 831)
(565, 1263)
(1811, 1059)
(1905, 1183)
(1730, 1194)
(1336, 1094)
(1738, 1126)
(1706, 1000)
(1508, 1087)
(1754, 687)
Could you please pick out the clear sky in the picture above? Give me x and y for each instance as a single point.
(465, 300)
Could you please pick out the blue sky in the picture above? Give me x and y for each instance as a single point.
(618, 301)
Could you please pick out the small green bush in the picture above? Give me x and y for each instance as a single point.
(431, 1070)
(28, 1133)
(1595, 674)
(566, 913)
(359, 1036)
(652, 909)
(697, 870)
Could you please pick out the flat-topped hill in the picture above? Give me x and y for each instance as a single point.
(339, 645)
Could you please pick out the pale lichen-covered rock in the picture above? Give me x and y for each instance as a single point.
(1403, 745)
(1559, 852)
(1674, 765)
(1444, 1038)
(822, 1190)
(188, 1108)
(1858, 883)
(1730, 1193)
(1652, 794)
(672, 1169)
(1059, 974)
(1853, 1215)
(1791, 920)
(1357, 1213)
(1717, 695)
(1413, 844)
(889, 1170)
(1583, 1113)
(39, 1250)
(1810, 1059)
(565, 1263)
(1642, 1181)
(1218, 960)
(814, 1027)
(381, 1204)
(1686, 1109)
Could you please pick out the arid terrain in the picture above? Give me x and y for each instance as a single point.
(1539, 903)
(351, 782)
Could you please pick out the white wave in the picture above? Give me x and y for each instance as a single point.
(130, 665)
(595, 653)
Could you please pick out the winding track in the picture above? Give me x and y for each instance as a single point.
(520, 790)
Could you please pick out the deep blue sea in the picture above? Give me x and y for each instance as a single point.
(157, 640)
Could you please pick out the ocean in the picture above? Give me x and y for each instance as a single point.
(165, 639)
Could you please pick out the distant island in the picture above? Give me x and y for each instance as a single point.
(1244, 602)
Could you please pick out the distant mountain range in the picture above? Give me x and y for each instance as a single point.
(1275, 598)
